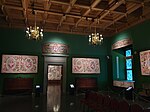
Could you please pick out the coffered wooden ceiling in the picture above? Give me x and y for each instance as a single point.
(75, 16)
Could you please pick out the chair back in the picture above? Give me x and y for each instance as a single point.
(146, 110)
(114, 105)
(100, 98)
(124, 106)
(136, 108)
(106, 100)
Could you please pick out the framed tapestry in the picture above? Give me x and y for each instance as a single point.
(54, 72)
(124, 84)
(19, 64)
(54, 48)
(122, 43)
(86, 65)
(145, 62)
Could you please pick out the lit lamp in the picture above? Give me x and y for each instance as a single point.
(34, 32)
(96, 38)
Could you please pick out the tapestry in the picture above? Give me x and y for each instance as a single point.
(124, 84)
(122, 43)
(85, 65)
(54, 48)
(145, 62)
(54, 72)
(19, 64)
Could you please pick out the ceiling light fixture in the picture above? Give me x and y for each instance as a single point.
(95, 38)
(34, 32)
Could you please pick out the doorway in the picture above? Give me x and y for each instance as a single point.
(54, 88)
(52, 63)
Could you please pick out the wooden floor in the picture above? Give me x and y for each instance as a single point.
(51, 103)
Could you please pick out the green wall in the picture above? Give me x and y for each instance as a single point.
(13, 41)
(140, 36)
(121, 61)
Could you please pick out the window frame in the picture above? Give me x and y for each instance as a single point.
(128, 57)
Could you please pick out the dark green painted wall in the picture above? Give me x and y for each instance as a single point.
(141, 41)
(121, 61)
(13, 41)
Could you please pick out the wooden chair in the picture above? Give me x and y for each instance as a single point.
(146, 110)
(105, 107)
(98, 102)
(93, 101)
(136, 108)
(114, 105)
(84, 100)
(89, 100)
(124, 106)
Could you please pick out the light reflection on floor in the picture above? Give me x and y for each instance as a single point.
(53, 97)
(51, 102)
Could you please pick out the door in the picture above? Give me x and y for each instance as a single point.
(54, 86)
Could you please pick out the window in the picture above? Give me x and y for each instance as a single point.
(128, 55)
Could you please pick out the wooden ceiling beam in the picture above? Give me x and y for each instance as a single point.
(115, 12)
(72, 2)
(29, 9)
(25, 4)
(86, 7)
(128, 12)
(19, 8)
(112, 8)
(47, 5)
(94, 4)
(59, 2)
(25, 7)
(136, 22)
(134, 8)
(2, 2)
(70, 17)
(3, 8)
(111, 1)
(13, 7)
(116, 5)
(51, 12)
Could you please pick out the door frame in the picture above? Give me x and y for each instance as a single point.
(51, 60)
